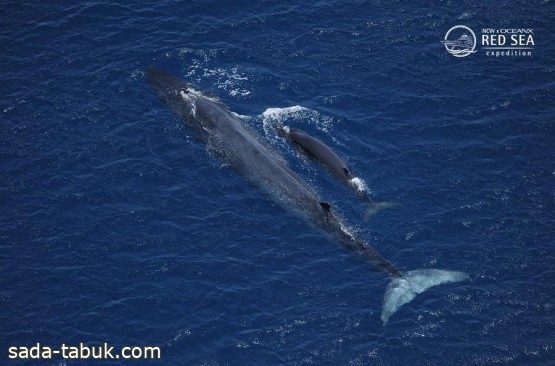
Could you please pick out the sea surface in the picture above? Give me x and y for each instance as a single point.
(117, 226)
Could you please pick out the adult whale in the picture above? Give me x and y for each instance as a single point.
(323, 154)
(214, 124)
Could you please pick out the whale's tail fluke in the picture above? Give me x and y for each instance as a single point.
(402, 290)
(361, 190)
(375, 207)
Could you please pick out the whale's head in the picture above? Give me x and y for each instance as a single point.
(178, 95)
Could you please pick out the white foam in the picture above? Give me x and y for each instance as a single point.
(401, 291)
(200, 69)
(281, 114)
(230, 80)
(241, 116)
(359, 184)
(239, 92)
(137, 74)
(190, 98)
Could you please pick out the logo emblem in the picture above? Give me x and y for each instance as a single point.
(460, 41)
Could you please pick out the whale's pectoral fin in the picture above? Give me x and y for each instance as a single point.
(326, 206)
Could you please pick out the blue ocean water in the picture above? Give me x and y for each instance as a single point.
(117, 226)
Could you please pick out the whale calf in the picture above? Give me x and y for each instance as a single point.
(322, 153)
(244, 150)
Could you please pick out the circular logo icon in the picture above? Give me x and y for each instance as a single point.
(460, 41)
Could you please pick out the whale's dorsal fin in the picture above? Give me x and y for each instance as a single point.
(326, 206)
(346, 171)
